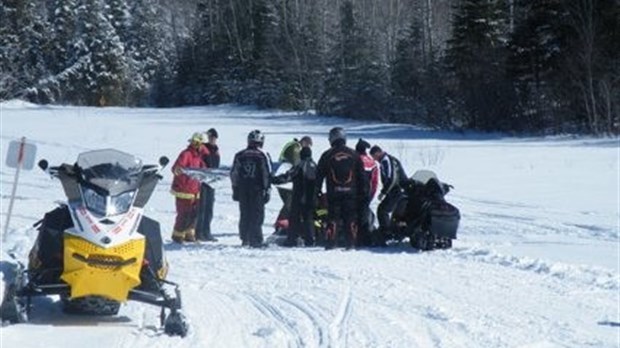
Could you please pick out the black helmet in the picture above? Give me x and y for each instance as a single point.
(361, 146)
(305, 152)
(256, 136)
(212, 132)
(337, 133)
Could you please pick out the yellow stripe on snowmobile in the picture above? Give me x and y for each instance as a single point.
(92, 270)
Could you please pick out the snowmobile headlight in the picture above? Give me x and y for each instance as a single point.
(120, 204)
(94, 201)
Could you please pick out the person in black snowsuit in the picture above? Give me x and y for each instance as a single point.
(207, 193)
(303, 199)
(291, 154)
(250, 176)
(342, 169)
(393, 180)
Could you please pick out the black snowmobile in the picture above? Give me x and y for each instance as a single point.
(423, 215)
(98, 249)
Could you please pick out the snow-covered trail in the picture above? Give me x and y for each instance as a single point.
(536, 263)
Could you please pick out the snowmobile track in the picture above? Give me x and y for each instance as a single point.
(320, 329)
(338, 328)
(288, 326)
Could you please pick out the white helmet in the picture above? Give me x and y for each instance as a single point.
(256, 136)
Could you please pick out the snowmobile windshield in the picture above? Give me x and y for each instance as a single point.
(111, 170)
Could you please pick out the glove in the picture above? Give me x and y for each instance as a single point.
(381, 196)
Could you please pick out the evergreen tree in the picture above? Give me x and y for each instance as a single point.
(24, 48)
(63, 26)
(537, 46)
(147, 47)
(118, 15)
(408, 67)
(476, 58)
(9, 49)
(407, 71)
(564, 59)
(103, 76)
(312, 56)
(356, 83)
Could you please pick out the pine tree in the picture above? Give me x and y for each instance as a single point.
(476, 58)
(147, 48)
(9, 48)
(103, 77)
(118, 15)
(63, 26)
(24, 48)
(356, 83)
(564, 63)
(537, 47)
(408, 64)
(312, 56)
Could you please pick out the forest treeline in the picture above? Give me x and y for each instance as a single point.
(547, 66)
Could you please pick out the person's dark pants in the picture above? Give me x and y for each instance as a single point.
(341, 209)
(251, 218)
(287, 197)
(301, 224)
(385, 208)
(205, 212)
(365, 225)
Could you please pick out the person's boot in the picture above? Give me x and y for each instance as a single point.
(379, 238)
(210, 238)
(351, 242)
(178, 236)
(207, 236)
(190, 235)
(330, 237)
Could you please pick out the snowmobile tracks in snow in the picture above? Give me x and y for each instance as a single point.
(339, 327)
(325, 333)
(321, 329)
(286, 325)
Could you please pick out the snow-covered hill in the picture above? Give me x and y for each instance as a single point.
(536, 263)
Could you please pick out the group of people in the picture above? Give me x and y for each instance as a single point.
(351, 179)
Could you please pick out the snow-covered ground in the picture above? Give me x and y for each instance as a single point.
(536, 263)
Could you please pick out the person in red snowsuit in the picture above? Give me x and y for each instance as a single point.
(371, 171)
(187, 190)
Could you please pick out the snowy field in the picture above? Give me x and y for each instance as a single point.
(536, 263)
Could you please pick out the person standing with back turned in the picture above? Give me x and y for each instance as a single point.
(343, 171)
(250, 176)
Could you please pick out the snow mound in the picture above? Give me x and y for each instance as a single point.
(17, 104)
(586, 275)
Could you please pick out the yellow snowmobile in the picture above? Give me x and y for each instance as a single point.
(98, 249)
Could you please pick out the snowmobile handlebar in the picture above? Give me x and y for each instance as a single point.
(156, 169)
